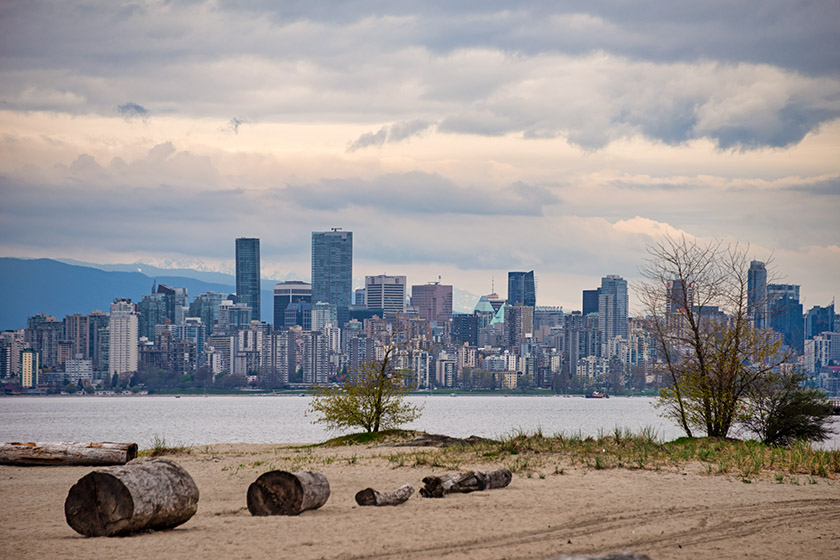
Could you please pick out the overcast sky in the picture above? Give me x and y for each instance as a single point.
(455, 139)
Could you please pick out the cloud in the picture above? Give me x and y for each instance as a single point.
(742, 76)
(390, 134)
(420, 193)
(132, 110)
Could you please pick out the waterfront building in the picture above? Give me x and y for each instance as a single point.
(248, 274)
(29, 368)
(77, 333)
(123, 337)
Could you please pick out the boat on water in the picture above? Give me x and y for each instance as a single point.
(597, 395)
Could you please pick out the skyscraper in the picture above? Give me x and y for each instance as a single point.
(433, 301)
(122, 327)
(590, 301)
(521, 288)
(612, 307)
(332, 269)
(757, 294)
(248, 274)
(386, 293)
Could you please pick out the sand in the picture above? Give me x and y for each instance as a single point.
(679, 512)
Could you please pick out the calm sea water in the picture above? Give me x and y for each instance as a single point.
(197, 420)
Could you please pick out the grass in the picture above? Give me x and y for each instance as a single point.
(536, 454)
(160, 447)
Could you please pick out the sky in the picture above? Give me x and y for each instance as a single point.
(456, 140)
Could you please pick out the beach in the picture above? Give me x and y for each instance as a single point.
(552, 509)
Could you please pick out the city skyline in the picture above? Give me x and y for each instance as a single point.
(455, 141)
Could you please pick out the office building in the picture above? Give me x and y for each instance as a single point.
(784, 315)
(522, 288)
(286, 293)
(332, 270)
(386, 293)
(248, 274)
(433, 301)
(590, 301)
(206, 308)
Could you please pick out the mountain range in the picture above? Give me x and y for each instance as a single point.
(57, 288)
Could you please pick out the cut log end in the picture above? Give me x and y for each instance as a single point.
(142, 495)
(285, 493)
(98, 505)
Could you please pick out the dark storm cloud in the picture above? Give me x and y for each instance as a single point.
(420, 193)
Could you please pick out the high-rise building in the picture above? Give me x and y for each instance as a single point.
(522, 288)
(757, 294)
(612, 307)
(386, 293)
(77, 332)
(248, 274)
(43, 333)
(152, 311)
(28, 368)
(122, 343)
(332, 269)
(206, 307)
(285, 293)
(590, 301)
(784, 315)
(819, 320)
(433, 301)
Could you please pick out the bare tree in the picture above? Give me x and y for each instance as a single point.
(372, 397)
(695, 295)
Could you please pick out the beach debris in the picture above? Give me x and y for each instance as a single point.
(286, 493)
(437, 440)
(63, 453)
(371, 497)
(471, 481)
(145, 494)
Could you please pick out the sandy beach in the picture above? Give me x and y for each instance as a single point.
(670, 513)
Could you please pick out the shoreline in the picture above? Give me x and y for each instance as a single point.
(550, 508)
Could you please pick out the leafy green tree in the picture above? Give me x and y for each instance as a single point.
(781, 411)
(372, 397)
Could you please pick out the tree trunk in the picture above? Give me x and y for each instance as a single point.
(472, 481)
(144, 494)
(66, 453)
(370, 497)
(285, 493)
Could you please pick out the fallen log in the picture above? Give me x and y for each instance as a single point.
(371, 497)
(142, 495)
(66, 453)
(471, 481)
(286, 493)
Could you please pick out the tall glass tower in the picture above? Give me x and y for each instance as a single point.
(248, 274)
(521, 288)
(757, 294)
(332, 269)
(613, 306)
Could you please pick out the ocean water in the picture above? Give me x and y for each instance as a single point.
(198, 420)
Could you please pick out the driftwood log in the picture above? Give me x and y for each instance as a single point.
(66, 453)
(371, 497)
(286, 493)
(472, 481)
(144, 494)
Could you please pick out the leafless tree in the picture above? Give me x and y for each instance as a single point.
(695, 295)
